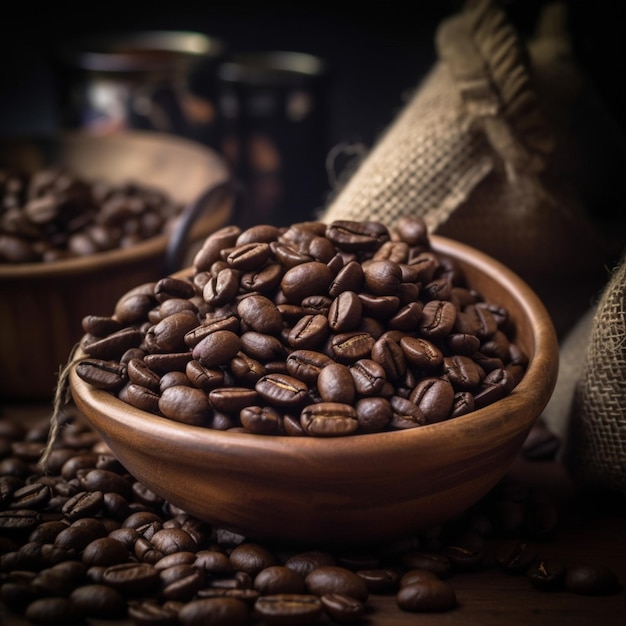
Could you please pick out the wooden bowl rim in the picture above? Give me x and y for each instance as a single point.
(524, 404)
(146, 249)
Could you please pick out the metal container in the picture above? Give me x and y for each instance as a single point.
(147, 80)
(275, 132)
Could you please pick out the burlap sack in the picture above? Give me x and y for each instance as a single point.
(595, 443)
(490, 150)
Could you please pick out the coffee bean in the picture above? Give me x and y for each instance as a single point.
(329, 419)
(547, 576)
(108, 375)
(426, 596)
(293, 609)
(277, 579)
(131, 579)
(590, 580)
(282, 390)
(99, 601)
(516, 557)
(187, 405)
(336, 384)
(336, 579)
(342, 609)
(53, 610)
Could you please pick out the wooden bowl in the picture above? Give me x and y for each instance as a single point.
(42, 304)
(353, 489)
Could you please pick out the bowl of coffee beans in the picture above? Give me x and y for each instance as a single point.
(83, 219)
(333, 382)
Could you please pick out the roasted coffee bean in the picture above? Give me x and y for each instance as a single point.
(373, 414)
(382, 276)
(437, 320)
(335, 384)
(247, 257)
(199, 376)
(221, 288)
(265, 348)
(434, 562)
(434, 397)
(416, 576)
(336, 579)
(357, 236)
(83, 504)
(99, 601)
(592, 580)
(390, 355)
(168, 335)
(221, 239)
(282, 390)
(349, 278)
(309, 332)
(287, 608)
(171, 540)
(140, 397)
(342, 609)
(462, 372)
(181, 582)
(251, 558)
(261, 420)
(345, 312)
(305, 562)
(306, 279)
(106, 481)
(188, 405)
(217, 348)
(547, 576)
(213, 562)
(108, 375)
(427, 596)
(369, 377)
(305, 365)
(32, 496)
(380, 580)
(405, 414)
(408, 316)
(53, 610)
(260, 314)
(113, 346)
(140, 374)
(264, 280)
(351, 346)
(165, 363)
(104, 551)
(232, 399)
(329, 419)
(516, 557)
(277, 579)
(422, 354)
(131, 579)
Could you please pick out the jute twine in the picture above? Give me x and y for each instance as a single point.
(595, 453)
(62, 399)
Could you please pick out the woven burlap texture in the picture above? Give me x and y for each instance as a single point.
(485, 152)
(596, 442)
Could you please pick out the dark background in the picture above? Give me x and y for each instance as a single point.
(375, 53)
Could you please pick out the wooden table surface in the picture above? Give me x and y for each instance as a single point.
(591, 530)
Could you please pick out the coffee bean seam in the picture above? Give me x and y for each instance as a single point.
(257, 317)
(95, 543)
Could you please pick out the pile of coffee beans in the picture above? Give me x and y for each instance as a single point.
(314, 329)
(53, 214)
(86, 540)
